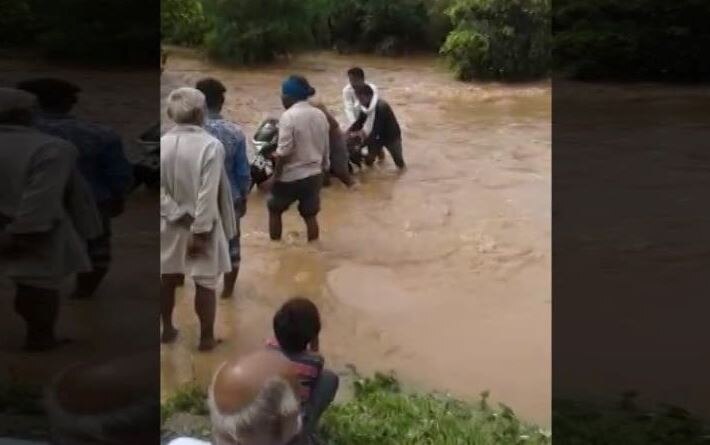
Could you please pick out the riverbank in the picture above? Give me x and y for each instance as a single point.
(441, 275)
(381, 412)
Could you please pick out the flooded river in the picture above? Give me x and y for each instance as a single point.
(441, 274)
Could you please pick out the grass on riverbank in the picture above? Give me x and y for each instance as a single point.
(381, 413)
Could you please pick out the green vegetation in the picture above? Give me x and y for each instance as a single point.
(381, 413)
(183, 22)
(640, 39)
(109, 31)
(625, 424)
(499, 39)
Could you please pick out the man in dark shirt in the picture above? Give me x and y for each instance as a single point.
(385, 129)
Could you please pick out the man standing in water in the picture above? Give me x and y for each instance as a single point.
(301, 158)
(101, 161)
(196, 213)
(385, 130)
(353, 107)
(236, 164)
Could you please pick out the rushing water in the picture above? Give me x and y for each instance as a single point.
(441, 274)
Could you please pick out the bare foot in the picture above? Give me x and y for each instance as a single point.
(208, 344)
(169, 335)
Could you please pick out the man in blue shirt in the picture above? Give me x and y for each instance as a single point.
(235, 162)
(101, 162)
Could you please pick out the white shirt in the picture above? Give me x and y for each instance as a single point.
(304, 140)
(186, 441)
(353, 107)
(193, 182)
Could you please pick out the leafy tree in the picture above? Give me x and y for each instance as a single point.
(183, 22)
(499, 39)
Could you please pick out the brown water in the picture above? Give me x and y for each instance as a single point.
(441, 274)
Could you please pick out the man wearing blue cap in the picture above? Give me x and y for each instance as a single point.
(301, 158)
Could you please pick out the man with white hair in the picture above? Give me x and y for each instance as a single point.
(46, 214)
(253, 401)
(196, 213)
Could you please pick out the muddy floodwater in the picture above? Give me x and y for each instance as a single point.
(441, 274)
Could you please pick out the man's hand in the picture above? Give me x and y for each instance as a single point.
(185, 221)
(198, 244)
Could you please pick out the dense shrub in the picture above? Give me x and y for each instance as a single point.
(499, 39)
(110, 31)
(183, 22)
(383, 26)
(16, 22)
(253, 31)
(642, 39)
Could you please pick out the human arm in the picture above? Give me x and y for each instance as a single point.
(350, 104)
(286, 144)
(369, 110)
(115, 168)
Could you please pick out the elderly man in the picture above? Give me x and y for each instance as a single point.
(196, 213)
(301, 158)
(253, 401)
(46, 214)
(101, 161)
(236, 164)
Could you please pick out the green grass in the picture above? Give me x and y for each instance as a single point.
(382, 413)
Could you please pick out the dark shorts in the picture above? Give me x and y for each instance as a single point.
(306, 191)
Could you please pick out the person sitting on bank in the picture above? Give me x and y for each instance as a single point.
(300, 159)
(297, 328)
(252, 401)
(385, 133)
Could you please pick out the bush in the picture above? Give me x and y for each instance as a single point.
(383, 26)
(499, 39)
(254, 31)
(382, 414)
(110, 31)
(16, 22)
(643, 39)
(183, 22)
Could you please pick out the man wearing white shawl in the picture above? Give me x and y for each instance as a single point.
(46, 215)
(196, 213)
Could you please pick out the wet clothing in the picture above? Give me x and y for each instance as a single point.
(193, 184)
(236, 162)
(353, 107)
(101, 159)
(386, 133)
(306, 191)
(303, 142)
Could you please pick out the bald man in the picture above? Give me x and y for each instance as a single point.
(107, 402)
(253, 401)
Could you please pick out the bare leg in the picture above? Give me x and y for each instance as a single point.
(312, 228)
(275, 226)
(168, 285)
(206, 308)
(40, 309)
(230, 279)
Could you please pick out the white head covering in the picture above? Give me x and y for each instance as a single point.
(183, 102)
(14, 99)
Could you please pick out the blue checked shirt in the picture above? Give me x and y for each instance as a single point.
(235, 153)
(101, 160)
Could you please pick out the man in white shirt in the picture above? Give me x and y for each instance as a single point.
(353, 107)
(301, 158)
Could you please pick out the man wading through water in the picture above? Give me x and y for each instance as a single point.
(196, 213)
(301, 158)
(236, 165)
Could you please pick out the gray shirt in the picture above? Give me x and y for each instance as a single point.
(303, 142)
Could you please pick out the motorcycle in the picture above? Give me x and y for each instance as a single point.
(265, 141)
(146, 164)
